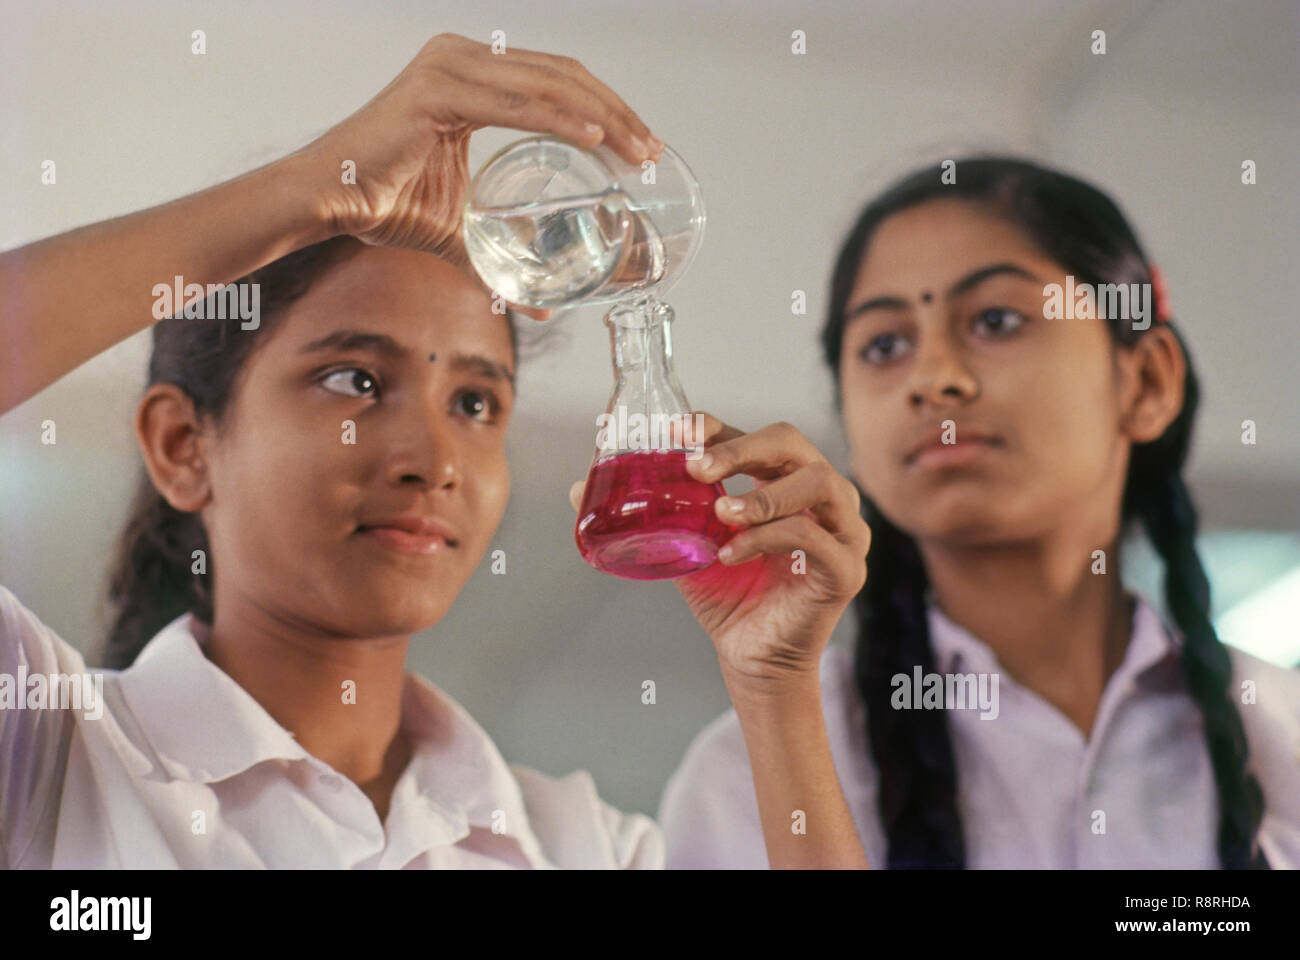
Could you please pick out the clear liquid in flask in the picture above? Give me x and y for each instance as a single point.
(551, 253)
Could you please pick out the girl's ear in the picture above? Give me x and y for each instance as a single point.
(170, 440)
(1155, 370)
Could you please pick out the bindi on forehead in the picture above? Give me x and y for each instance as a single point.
(926, 296)
(433, 357)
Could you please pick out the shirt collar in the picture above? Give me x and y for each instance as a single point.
(957, 650)
(204, 727)
(458, 769)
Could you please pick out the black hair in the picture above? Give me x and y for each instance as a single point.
(1082, 229)
(151, 581)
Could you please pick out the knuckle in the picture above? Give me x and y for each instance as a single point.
(552, 75)
(703, 424)
(742, 543)
(447, 41)
(806, 528)
(824, 473)
(513, 99)
(845, 489)
(762, 505)
(855, 496)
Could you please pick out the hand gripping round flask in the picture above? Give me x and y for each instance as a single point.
(643, 516)
(549, 224)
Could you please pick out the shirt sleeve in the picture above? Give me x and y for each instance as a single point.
(709, 811)
(33, 742)
(578, 830)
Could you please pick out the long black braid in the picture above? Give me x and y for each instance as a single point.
(1081, 228)
(1156, 494)
(917, 807)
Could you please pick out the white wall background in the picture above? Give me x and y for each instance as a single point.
(550, 658)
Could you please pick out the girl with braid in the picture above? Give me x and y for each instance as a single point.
(1002, 453)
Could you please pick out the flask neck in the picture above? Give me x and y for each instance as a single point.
(646, 389)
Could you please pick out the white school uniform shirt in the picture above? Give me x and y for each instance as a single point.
(1028, 785)
(184, 769)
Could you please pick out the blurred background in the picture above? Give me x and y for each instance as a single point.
(550, 658)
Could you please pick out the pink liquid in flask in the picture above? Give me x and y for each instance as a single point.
(643, 517)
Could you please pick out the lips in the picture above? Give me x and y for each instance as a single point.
(968, 442)
(412, 533)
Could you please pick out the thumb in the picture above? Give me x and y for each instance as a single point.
(575, 494)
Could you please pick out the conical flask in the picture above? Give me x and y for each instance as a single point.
(643, 517)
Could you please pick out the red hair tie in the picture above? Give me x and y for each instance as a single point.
(1161, 294)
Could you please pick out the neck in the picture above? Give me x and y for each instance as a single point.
(1056, 627)
(298, 674)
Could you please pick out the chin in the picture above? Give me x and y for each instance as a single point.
(956, 517)
(389, 609)
(410, 614)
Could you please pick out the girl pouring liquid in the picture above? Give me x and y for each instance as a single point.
(274, 568)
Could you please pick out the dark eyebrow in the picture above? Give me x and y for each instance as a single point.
(966, 283)
(381, 343)
(477, 363)
(357, 340)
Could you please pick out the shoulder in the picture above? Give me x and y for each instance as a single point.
(576, 829)
(709, 811)
(1274, 688)
(43, 650)
(1268, 697)
(34, 742)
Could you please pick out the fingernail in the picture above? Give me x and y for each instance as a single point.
(592, 127)
(726, 553)
(656, 142)
(704, 462)
(640, 146)
(731, 504)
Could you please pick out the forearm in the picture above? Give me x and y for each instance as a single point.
(65, 299)
(806, 820)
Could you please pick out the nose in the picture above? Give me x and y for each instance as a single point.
(427, 452)
(940, 376)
